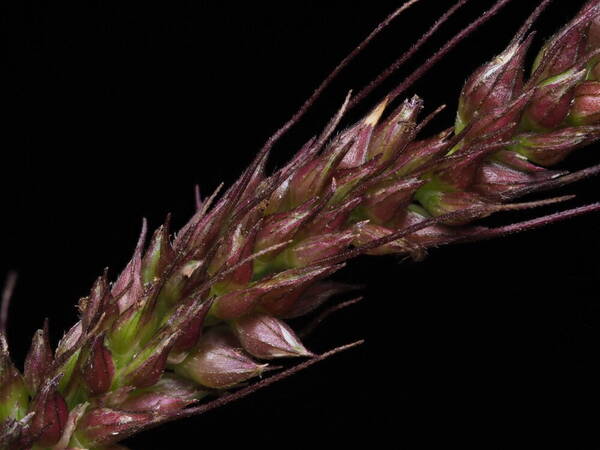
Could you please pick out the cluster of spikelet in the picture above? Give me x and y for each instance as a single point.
(203, 312)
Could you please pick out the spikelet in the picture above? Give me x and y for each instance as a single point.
(203, 311)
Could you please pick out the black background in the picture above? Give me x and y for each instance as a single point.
(116, 109)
